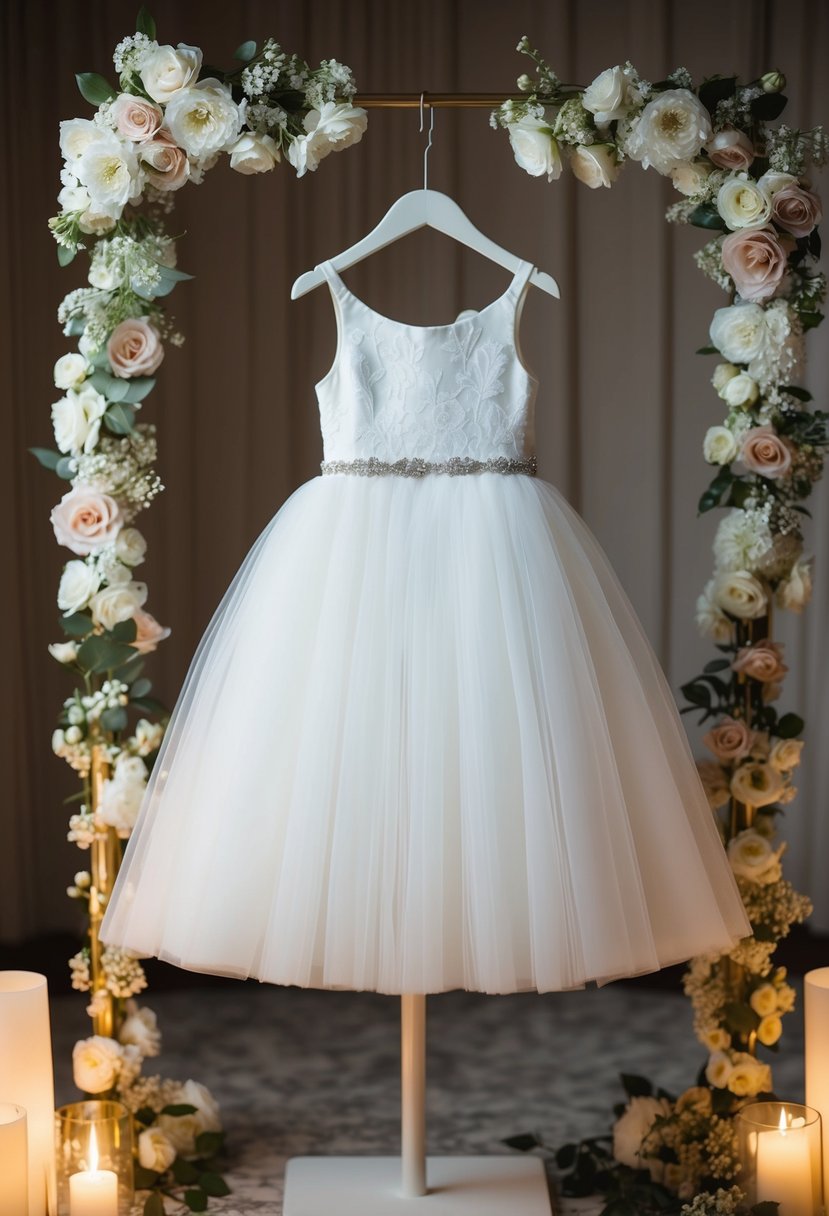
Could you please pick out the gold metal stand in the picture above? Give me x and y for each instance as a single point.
(106, 852)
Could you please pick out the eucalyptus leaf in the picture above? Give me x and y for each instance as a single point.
(173, 273)
(94, 88)
(707, 350)
(145, 1178)
(740, 1018)
(131, 670)
(636, 1087)
(46, 457)
(66, 468)
(120, 418)
(179, 1109)
(114, 718)
(715, 90)
(124, 631)
(810, 320)
(794, 390)
(768, 106)
(150, 705)
(97, 654)
(74, 327)
(140, 688)
(66, 254)
(77, 625)
(138, 388)
(245, 52)
(706, 216)
(144, 23)
(114, 388)
(716, 665)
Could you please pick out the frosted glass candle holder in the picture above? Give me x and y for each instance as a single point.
(94, 1159)
(14, 1159)
(780, 1156)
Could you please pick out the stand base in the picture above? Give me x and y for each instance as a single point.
(458, 1186)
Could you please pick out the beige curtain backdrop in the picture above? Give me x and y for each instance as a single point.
(624, 401)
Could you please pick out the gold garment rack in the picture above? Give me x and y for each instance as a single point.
(449, 101)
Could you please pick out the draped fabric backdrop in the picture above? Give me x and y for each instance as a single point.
(624, 401)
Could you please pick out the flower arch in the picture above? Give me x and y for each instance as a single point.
(743, 180)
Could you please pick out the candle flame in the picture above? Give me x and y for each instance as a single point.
(93, 1149)
(783, 1126)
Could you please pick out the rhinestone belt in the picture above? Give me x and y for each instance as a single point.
(456, 466)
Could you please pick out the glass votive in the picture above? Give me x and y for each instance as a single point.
(94, 1159)
(780, 1156)
(14, 1158)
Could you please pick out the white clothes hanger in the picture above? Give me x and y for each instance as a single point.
(419, 209)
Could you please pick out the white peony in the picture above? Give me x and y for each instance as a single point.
(740, 541)
(70, 371)
(167, 70)
(76, 135)
(110, 170)
(96, 1063)
(710, 618)
(130, 546)
(333, 127)
(183, 1129)
(74, 197)
(535, 148)
(796, 591)
(608, 96)
(78, 584)
(156, 1150)
(254, 153)
(739, 331)
(631, 1128)
(76, 419)
(140, 1028)
(118, 602)
(739, 594)
(670, 130)
(719, 445)
(741, 390)
(595, 165)
(204, 119)
(742, 204)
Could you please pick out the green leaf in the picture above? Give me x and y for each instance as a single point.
(94, 88)
(810, 320)
(124, 631)
(120, 419)
(154, 1205)
(150, 705)
(740, 1018)
(145, 1115)
(144, 23)
(195, 1200)
(715, 90)
(145, 1178)
(767, 1208)
(140, 688)
(789, 726)
(214, 1185)
(763, 933)
(524, 1141)
(716, 665)
(566, 1156)
(707, 350)
(65, 468)
(184, 1171)
(77, 625)
(698, 694)
(114, 718)
(245, 52)
(47, 458)
(98, 654)
(794, 390)
(66, 254)
(131, 670)
(138, 388)
(636, 1087)
(178, 1109)
(768, 106)
(706, 216)
(114, 388)
(208, 1144)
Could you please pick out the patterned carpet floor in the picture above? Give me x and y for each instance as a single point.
(307, 1072)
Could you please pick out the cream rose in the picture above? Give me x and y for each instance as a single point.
(118, 602)
(134, 348)
(254, 153)
(632, 1127)
(796, 209)
(741, 391)
(76, 419)
(739, 594)
(155, 1150)
(757, 784)
(165, 163)
(534, 147)
(716, 1039)
(796, 591)
(718, 1070)
(770, 1030)
(204, 118)
(671, 129)
(140, 1028)
(78, 584)
(719, 445)
(763, 451)
(742, 204)
(690, 177)
(748, 1076)
(74, 197)
(763, 1000)
(756, 261)
(739, 331)
(714, 783)
(86, 520)
(183, 1129)
(167, 70)
(749, 852)
(785, 755)
(729, 740)
(710, 618)
(97, 223)
(96, 1063)
(77, 134)
(595, 165)
(149, 634)
(336, 125)
(731, 149)
(64, 652)
(130, 547)
(135, 118)
(723, 372)
(762, 661)
(70, 371)
(608, 96)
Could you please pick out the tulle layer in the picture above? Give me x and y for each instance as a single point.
(424, 744)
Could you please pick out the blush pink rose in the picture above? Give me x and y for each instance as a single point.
(134, 348)
(796, 209)
(762, 661)
(85, 520)
(148, 632)
(756, 261)
(729, 740)
(135, 118)
(165, 163)
(731, 149)
(763, 451)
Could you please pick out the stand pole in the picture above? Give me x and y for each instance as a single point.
(413, 1093)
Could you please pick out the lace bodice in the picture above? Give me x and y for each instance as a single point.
(427, 392)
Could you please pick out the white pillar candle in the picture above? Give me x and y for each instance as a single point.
(816, 1006)
(26, 1077)
(784, 1169)
(14, 1158)
(93, 1192)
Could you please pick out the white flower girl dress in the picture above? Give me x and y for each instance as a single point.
(424, 743)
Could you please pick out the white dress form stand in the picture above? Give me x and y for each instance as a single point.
(413, 1184)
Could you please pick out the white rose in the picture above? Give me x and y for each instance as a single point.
(110, 170)
(76, 419)
(763, 1000)
(671, 129)
(631, 1128)
(335, 125)
(739, 331)
(690, 177)
(96, 1063)
(140, 1028)
(254, 153)
(78, 584)
(741, 390)
(203, 119)
(130, 546)
(120, 803)
(718, 1070)
(770, 1030)
(74, 198)
(785, 755)
(183, 1129)
(771, 182)
(607, 97)
(76, 135)
(719, 445)
(748, 1076)
(595, 165)
(118, 602)
(155, 1150)
(167, 70)
(716, 1039)
(535, 149)
(710, 618)
(796, 591)
(64, 652)
(723, 372)
(70, 371)
(740, 594)
(742, 204)
(752, 856)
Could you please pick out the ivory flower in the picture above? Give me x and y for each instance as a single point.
(109, 169)
(757, 784)
(690, 177)
(718, 1070)
(96, 1063)
(719, 445)
(742, 204)
(64, 652)
(763, 1000)
(150, 633)
(167, 70)
(70, 371)
(633, 1125)
(608, 96)
(751, 854)
(785, 755)
(130, 547)
(78, 584)
(748, 1075)
(86, 520)
(741, 390)
(204, 118)
(595, 165)
(770, 1030)
(716, 1039)
(117, 602)
(671, 129)
(714, 783)
(76, 419)
(796, 591)
(254, 153)
(739, 594)
(710, 618)
(182, 1130)
(155, 1150)
(535, 148)
(739, 331)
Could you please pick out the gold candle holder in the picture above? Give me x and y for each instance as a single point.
(780, 1156)
(94, 1159)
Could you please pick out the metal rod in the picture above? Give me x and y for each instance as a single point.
(412, 101)
(413, 1094)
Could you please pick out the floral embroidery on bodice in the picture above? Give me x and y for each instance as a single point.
(436, 392)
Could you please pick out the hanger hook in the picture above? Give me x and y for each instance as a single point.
(429, 144)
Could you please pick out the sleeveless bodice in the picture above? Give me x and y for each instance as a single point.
(427, 393)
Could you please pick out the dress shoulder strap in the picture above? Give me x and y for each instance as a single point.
(334, 280)
(520, 279)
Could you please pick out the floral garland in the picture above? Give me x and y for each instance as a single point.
(747, 183)
(166, 124)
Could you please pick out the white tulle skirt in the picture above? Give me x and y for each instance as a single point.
(424, 744)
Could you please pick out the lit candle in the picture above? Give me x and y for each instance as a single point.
(784, 1168)
(14, 1158)
(816, 1004)
(93, 1192)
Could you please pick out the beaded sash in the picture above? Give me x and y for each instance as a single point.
(456, 466)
